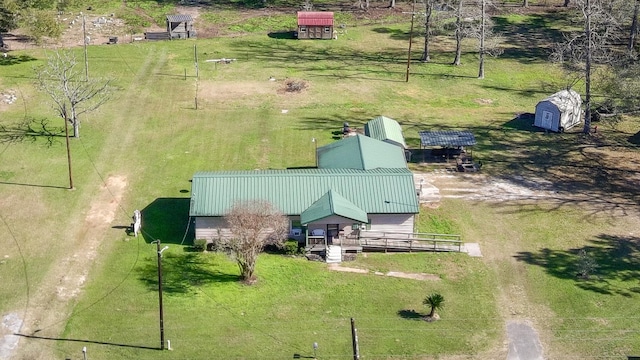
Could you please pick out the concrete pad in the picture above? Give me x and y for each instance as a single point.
(11, 323)
(524, 343)
(337, 267)
(472, 249)
(413, 276)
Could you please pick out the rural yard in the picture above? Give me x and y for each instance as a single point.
(551, 219)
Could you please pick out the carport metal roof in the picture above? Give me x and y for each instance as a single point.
(447, 138)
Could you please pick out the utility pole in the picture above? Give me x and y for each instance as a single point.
(195, 57)
(354, 339)
(413, 15)
(160, 292)
(86, 60)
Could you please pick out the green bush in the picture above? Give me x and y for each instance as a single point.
(200, 244)
(290, 247)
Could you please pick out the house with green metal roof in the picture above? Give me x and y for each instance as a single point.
(361, 184)
(360, 152)
(385, 129)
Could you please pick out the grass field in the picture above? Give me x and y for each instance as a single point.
(152, 135)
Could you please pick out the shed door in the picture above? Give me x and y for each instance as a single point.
(547, 119)
(315, 32)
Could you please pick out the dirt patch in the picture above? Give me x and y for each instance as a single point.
(484, 101)
(480, 187)
(48, 306)
(8, 97)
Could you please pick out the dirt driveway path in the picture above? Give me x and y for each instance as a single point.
(521, 330)
(47, 308)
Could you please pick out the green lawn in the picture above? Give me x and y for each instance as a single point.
(296, 303)
(152, 134)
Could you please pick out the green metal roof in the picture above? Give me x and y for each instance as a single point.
(360, 152)
(330, 204)
(385, 129)
(293, 191)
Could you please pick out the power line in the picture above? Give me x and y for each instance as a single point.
(24, 269)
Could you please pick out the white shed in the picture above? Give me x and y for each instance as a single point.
(559, 112)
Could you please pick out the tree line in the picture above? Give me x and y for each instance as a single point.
(602, 52)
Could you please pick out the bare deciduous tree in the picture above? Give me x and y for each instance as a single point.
(477, 24)
(72, 96)
(363, 5)
(633, 31)
(428, 12)
(253, 225)
(459, 32)
(592, 46)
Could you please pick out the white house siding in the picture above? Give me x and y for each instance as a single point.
(400, 223)
(210, 228)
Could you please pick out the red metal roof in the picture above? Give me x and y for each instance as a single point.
(315, 18)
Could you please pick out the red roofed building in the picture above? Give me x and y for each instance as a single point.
(315, 25)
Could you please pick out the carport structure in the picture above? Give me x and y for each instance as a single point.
(447, 144)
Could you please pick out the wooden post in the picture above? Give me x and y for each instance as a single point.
(413, 15)
(195, 57)
(354, 339)
(86, 60)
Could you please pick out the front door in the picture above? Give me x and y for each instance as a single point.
(332, 232)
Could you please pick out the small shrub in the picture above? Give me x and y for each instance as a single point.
(200, 244)
(290, 247)
(586, 265)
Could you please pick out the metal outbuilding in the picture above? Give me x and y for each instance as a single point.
(385, 129)
(559, 112)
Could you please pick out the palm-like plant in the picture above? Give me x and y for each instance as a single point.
(435, 301)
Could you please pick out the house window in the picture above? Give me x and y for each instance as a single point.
(327, 29)
(303, 28)
(296, 228)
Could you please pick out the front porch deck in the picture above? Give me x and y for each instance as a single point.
(389, 242)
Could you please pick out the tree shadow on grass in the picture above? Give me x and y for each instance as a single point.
(617, 262)
(14, 60)
(635, 138)
(410, 314)
(181, 273)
